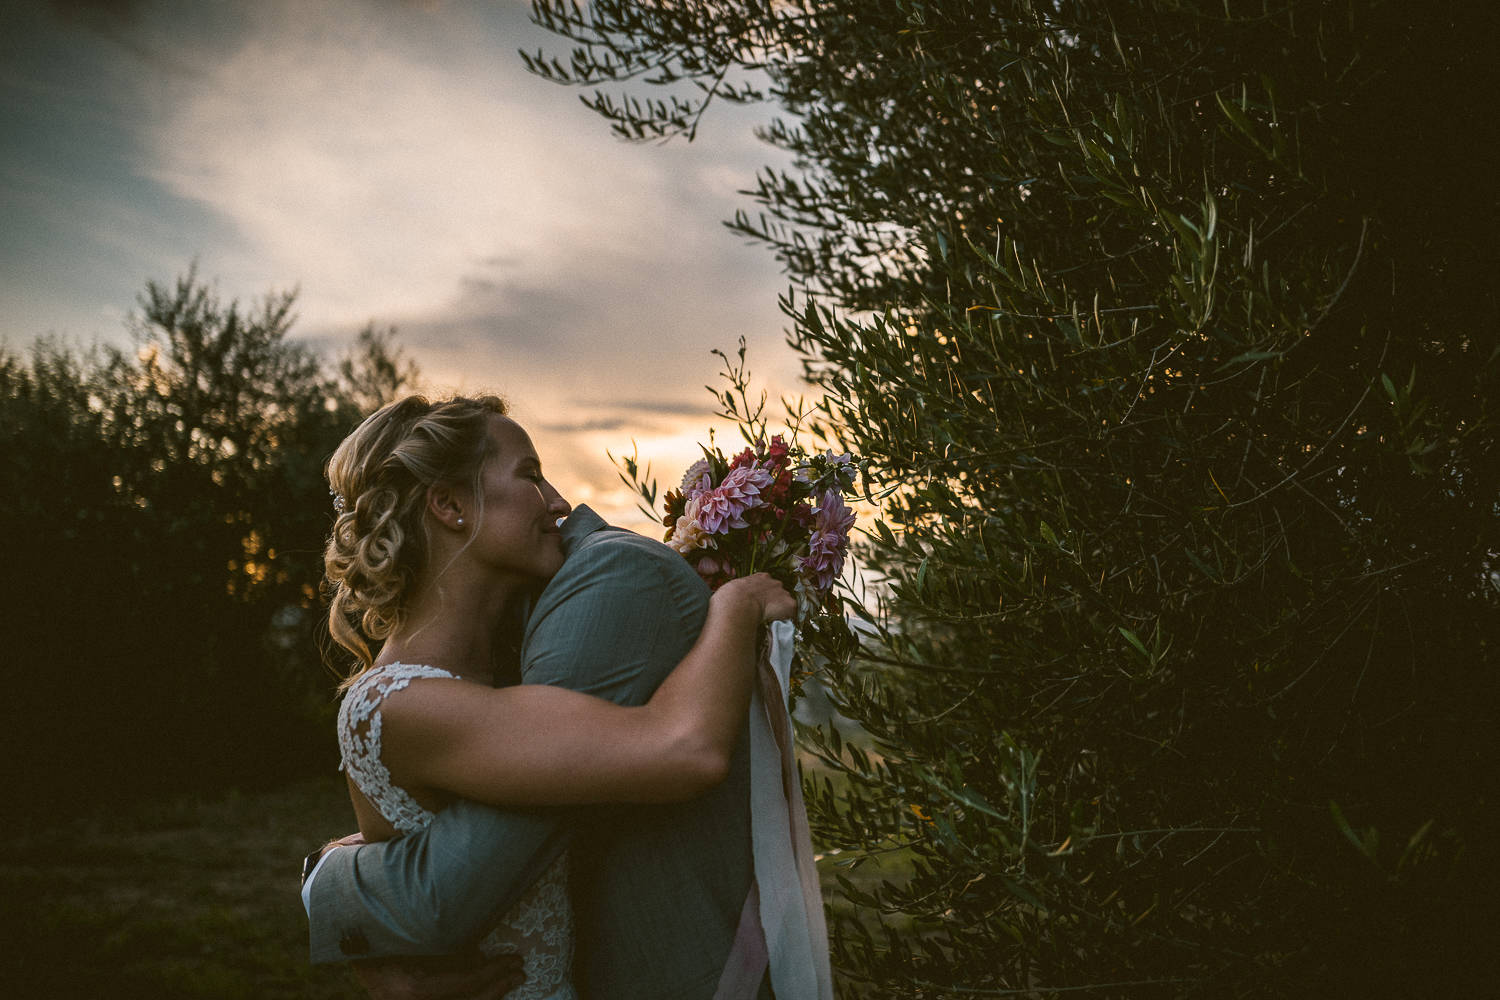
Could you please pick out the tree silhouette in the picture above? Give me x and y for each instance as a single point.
(1166, 330)
(165, 511)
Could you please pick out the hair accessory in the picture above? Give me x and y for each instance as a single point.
(338, 501)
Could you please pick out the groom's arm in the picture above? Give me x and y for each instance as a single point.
(614, 622)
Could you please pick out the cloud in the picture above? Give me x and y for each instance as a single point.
(402, 163)
(397, 164)
(610, 424)
(381, 179)
(652, 406)
(114, 13)
(613, 331)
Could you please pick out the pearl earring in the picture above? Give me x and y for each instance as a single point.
(460, 521)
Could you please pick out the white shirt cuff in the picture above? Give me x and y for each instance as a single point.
(307, 882)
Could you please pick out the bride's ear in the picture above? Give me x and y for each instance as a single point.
(444, 505)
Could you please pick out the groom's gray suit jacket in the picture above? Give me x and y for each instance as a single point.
(658, 888)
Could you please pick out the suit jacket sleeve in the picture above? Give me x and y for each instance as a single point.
(600, 626)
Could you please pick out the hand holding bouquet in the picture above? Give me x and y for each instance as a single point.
(772, 509)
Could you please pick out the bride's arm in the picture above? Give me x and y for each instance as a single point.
(537, 745)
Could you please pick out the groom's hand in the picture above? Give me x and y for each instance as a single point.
(470, 976)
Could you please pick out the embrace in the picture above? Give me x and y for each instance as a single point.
(548, 752)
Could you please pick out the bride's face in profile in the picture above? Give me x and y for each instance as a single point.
(517, 533)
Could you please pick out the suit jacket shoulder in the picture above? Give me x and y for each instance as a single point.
(617, 617)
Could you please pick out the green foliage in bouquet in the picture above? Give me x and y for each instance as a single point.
(772, 508)
(1170, 329)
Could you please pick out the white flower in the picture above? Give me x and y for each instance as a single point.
(688, 534)
(692, 479)
(809, 597)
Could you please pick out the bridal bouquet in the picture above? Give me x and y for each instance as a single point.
(771, 508)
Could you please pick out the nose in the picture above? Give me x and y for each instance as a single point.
(556, 505)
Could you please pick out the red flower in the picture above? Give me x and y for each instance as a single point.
(776, 450)
(777, 493)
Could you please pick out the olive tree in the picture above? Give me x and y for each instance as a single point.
(1167, 331)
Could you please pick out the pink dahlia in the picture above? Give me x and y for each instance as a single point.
(830, 540)
(724, 508)
(696, 479)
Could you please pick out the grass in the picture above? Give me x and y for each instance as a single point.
(188, 898)
(192, 898)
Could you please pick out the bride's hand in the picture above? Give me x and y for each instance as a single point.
(763, 593)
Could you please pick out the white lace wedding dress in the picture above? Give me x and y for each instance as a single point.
(540, 926)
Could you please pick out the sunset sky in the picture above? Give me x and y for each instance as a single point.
(397, 163)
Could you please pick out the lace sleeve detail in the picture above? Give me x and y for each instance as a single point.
(359, 742)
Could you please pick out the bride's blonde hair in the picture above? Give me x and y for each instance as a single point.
(380, 474)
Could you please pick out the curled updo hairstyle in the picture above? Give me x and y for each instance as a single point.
(382, 472)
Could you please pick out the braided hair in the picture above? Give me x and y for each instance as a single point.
(381, 473)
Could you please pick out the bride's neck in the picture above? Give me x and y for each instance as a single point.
(452, 623)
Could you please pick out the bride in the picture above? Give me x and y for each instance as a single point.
(445, 527)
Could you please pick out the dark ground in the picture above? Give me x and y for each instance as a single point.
(188, 898)
(195, 898)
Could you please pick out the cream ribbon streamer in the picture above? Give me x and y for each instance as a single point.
(791, 901)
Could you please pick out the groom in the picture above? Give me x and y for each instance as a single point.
(658, 889)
